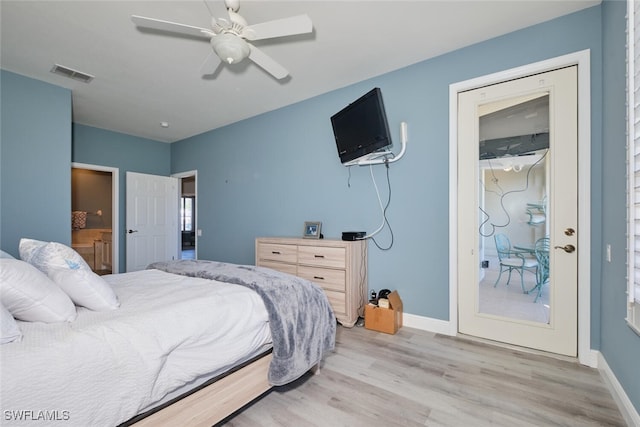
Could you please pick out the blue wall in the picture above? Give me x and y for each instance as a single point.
(619, 345)
(35, 160)
(268, 174)
(125, 152)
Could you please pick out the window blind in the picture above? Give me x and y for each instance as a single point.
(633, 149)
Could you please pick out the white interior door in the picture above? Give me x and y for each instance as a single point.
(152, 219)
(517, 176)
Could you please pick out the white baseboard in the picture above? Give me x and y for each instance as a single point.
(436, 326)
(629, 412)
(591, 359)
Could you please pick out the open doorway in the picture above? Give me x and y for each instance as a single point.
(188, 215)
(94, 216)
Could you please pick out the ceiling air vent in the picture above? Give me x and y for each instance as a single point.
(71, 73)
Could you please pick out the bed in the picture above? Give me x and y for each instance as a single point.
(191, 342)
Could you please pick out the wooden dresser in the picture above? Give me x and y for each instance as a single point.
(339, 267)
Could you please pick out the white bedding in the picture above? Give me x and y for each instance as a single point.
(105, 367)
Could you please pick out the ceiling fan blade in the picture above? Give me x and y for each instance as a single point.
(299, 24)
(266, 63)
(210, 64)
(174, 27)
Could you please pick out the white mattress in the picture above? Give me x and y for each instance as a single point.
(104, 368)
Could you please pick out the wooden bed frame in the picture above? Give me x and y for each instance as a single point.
(214, 402)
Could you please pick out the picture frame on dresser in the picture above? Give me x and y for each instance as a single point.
(312, 230)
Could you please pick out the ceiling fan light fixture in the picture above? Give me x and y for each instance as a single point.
(230, 48)
(230, 35)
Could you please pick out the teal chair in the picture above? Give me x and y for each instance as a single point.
(510, 260)
(542, 256)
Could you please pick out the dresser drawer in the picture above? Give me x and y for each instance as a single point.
(337, 301)
(338, 267)
(332, 280)
(280, 266)
(322, 256)
(275, 252)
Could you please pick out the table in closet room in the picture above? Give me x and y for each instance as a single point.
(338, 267)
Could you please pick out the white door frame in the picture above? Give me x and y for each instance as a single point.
(582, 58)
(115, 206)
(181, 175)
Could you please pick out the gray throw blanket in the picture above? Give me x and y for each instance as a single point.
(303, 326)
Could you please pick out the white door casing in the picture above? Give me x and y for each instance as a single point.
(152, 219)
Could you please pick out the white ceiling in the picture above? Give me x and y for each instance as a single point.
(144, 78)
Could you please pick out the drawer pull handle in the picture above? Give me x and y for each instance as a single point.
(319, 256)
(318, 277)
(275, 252)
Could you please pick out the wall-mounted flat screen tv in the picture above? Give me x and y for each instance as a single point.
(361, 128)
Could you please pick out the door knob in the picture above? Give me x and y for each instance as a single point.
(567, 248)
(132, 231)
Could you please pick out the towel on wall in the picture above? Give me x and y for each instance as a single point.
(78, 220)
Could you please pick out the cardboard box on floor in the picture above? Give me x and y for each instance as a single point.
(387, 320)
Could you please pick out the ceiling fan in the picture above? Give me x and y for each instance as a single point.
(229, 35)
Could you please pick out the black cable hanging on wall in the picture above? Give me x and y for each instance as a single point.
(384, 213)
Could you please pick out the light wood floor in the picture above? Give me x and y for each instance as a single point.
(417, 378)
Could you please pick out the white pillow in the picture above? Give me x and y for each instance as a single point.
(30, 295)
(9, 330)
(70, 271)
(28, 248)
(85, 288)
(3, 254)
